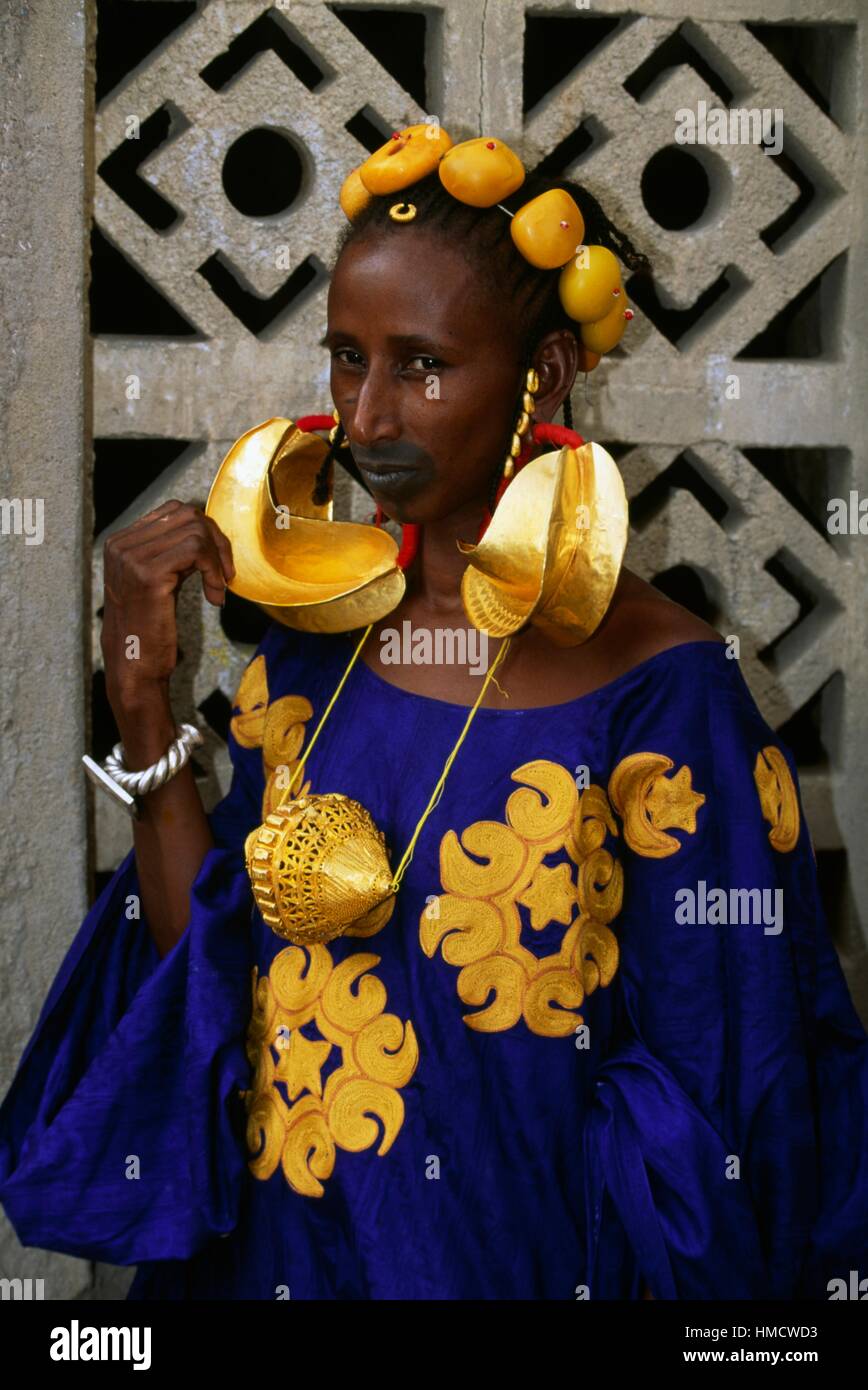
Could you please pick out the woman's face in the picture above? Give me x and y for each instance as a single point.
(425, 373)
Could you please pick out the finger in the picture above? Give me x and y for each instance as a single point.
(224, 548)
(197, 551)
(144, 531)
(162, 509)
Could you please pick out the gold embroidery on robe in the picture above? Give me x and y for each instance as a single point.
(476, 921)
(251, 700)
(293, 1119)
(278, 728)
(649, 803)
(778, 799)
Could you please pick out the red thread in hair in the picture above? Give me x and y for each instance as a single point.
(315, 422)
(409, 545)
(540, 434)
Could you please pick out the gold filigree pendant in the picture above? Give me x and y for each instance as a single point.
(318, 866)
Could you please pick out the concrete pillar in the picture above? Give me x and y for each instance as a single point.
(45, 413)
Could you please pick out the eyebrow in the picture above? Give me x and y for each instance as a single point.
(403, 340)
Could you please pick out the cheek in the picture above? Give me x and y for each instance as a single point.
(466, 447)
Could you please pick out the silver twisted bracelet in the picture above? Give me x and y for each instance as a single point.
(114, 777)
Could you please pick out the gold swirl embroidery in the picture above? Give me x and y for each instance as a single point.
(476, 922)
(650, 803)
(778, 799)
(303, 1131)
(283, 736)
(251, 699)
(278, 728)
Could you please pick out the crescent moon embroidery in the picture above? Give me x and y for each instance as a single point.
(650, 803)
(778, 799)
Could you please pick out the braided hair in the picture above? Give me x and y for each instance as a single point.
(482, 236)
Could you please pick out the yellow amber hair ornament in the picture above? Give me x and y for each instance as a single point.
(548, 230)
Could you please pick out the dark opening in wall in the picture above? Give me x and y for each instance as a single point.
(124, 302)
(123, 469)
(258, 313)
(807, 478)
(681, 473)
(812, 732)
(128, 30)
(685, 585)
(120, 169)
(817, 56)
(272, 31)
(568, 151)
(809, 325)
(554, 45)
(262, 172)
(676, 324)
(676, 51)
(669, 170)
(397, 39)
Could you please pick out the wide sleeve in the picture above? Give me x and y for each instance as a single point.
(728, 1138)
(121, 1137)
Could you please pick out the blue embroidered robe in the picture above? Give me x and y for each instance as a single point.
(570, 1058)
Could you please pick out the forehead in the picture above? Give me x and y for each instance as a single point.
(409, 281)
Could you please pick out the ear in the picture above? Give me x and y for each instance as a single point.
(556, 361)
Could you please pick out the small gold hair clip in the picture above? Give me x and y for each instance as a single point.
(402, 212)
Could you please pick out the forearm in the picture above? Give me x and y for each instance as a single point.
(172, 835)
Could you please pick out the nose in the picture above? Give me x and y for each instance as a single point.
(372, 418)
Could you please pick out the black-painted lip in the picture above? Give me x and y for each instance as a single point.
(385, 468)
(379, 475)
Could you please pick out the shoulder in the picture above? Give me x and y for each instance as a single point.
(647, 638)
(679, 689)
(642, 622)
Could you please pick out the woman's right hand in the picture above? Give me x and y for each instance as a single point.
(145, 565)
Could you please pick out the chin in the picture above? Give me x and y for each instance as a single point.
(410, 511)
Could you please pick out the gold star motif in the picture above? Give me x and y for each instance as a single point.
(300, 1064)
(551, 896)
(672, 803)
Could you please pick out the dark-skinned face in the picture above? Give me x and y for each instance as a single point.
(408, 319)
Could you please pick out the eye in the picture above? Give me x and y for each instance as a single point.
(337, 356)
(423, 357)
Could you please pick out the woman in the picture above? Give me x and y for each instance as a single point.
(552, 1073)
